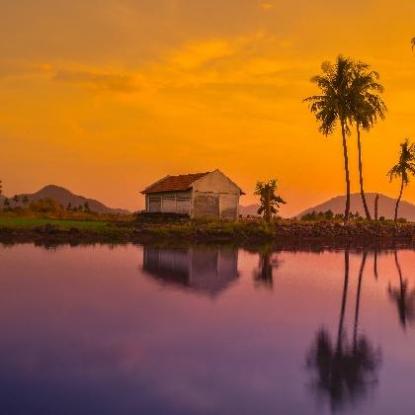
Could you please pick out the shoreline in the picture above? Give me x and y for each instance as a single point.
(281, 234)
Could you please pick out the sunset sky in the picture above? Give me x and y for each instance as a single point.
(106, 96)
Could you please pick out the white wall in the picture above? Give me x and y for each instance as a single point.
(215, 195)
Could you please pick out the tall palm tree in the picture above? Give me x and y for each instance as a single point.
(366, 107)
(413, 43)
(403, 169)
(332, 107)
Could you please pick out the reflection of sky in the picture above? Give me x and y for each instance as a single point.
(82, 331)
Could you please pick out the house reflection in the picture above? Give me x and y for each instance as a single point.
(205, 271)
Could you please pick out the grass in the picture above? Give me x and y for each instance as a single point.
(61, 224)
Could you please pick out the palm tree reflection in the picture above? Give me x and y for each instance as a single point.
(403, 297)
(264, 274)
(344, 371)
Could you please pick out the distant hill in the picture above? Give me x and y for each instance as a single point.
(386, 206)
(251, 210)
(66, 197)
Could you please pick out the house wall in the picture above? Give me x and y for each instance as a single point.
(215, 196)
(169, 202)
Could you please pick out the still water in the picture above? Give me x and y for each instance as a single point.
(142, 330)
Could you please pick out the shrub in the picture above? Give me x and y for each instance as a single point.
(46, 206)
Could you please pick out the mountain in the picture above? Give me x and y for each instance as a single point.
(251, 210)
(386, 206)
(64, 197)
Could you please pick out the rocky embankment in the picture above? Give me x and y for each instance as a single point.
(281, 233)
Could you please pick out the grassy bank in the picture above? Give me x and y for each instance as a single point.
(282, 232)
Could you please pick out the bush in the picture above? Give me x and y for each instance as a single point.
(46, 206)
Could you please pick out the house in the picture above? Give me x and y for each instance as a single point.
(207, 272)
(199, 195)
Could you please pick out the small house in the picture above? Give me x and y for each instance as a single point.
(199, 195)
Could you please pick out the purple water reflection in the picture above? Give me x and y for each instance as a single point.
(127, 330)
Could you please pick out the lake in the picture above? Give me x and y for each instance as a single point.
(144, 330)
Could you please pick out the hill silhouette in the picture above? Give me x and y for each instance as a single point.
(386, 206)
(65, 197)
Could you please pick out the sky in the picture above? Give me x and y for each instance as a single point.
(106, 96)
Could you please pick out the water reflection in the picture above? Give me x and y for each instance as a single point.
(204, 271)
(86, 331)
(344, 371)
(264, 273)
(403, 297)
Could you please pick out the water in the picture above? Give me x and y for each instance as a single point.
(139, 330)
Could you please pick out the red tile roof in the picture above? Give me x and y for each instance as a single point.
(174, 183)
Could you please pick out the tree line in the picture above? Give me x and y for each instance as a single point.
(349, 99)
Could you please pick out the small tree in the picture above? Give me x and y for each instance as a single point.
(16, 199)
(402, 169)
(86, 207)
(25, 200)
(6, 203)
(269, 200)
(69, 206)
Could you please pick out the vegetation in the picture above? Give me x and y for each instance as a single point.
(349, 94)
(403, 169)
(332, 107)
(269, 200)
(366, 107)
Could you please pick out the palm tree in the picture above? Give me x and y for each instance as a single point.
(403, 168)
(413, 43)
(366, 107)
(269, 200)
(332, 107)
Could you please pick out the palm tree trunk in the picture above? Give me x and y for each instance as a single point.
(347, 173)
(377, 207)
(358, 294)
(344, 299)
(362, 192)
(399, 200)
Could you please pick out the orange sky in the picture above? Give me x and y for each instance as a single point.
(105, 96)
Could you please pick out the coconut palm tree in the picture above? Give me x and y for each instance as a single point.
(366, 107)
(332, 107)
(403, 169)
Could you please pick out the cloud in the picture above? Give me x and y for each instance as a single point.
(266, 5)
(21, 68)
(197, 54)
(98, 81)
